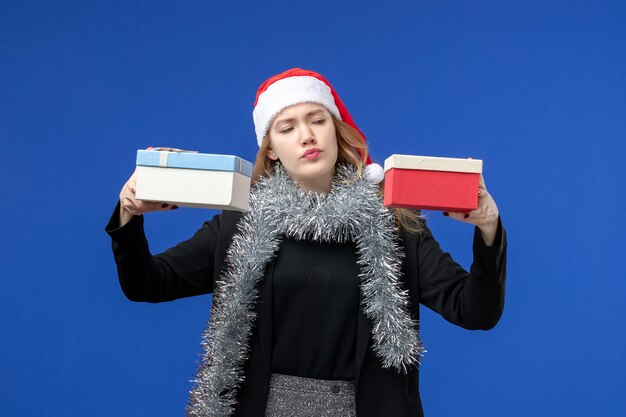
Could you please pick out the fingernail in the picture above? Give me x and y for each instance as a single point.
(174, 207)
(164, 205)
(445, 213)
(466, 215)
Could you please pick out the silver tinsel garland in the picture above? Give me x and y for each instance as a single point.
(353, 210)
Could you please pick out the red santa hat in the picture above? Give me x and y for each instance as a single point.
(296, 86)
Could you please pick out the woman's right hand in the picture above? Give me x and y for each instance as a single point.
(130, 206)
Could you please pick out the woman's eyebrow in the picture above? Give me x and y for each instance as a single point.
(291, 119)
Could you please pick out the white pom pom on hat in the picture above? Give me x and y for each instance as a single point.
(374, 173)
(297, 86)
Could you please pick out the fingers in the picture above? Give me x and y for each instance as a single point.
(467, 217)
(482, 188)
(165, 206)
(138, 207)
(457, 215)
(487, 212)
(484, 213)
(475, 217)
(130, 204)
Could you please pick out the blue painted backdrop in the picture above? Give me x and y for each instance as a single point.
(537, 89)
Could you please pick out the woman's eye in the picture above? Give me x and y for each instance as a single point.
(319, 121)
(286, 130)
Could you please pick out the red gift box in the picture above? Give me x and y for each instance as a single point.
(431, 183)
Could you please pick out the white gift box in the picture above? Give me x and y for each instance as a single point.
(192, 179)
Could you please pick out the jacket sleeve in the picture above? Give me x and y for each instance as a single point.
(181, 271)
(474, 299)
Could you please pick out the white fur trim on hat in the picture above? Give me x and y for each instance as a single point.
(287, 92)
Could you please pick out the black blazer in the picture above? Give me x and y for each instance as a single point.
(473, 300)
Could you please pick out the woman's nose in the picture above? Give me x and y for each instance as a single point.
(306, 135)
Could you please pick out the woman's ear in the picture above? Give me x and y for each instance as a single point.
(272, 155)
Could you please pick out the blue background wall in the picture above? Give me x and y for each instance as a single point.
(537, 89)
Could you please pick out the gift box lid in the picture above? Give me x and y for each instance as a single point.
(431, 163)
(177, 158)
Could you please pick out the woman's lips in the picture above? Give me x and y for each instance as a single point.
(311, 154)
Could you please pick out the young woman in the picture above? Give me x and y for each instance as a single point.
(317, 287)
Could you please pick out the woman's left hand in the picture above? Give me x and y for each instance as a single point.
(485, 216)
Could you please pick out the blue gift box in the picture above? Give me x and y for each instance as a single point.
(193, 160)
(193, 179)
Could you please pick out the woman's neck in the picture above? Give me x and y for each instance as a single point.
(316, 185)
(323, 188)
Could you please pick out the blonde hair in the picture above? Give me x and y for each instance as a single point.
(352, 150)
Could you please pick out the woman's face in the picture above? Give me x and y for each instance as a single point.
(303, 138)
